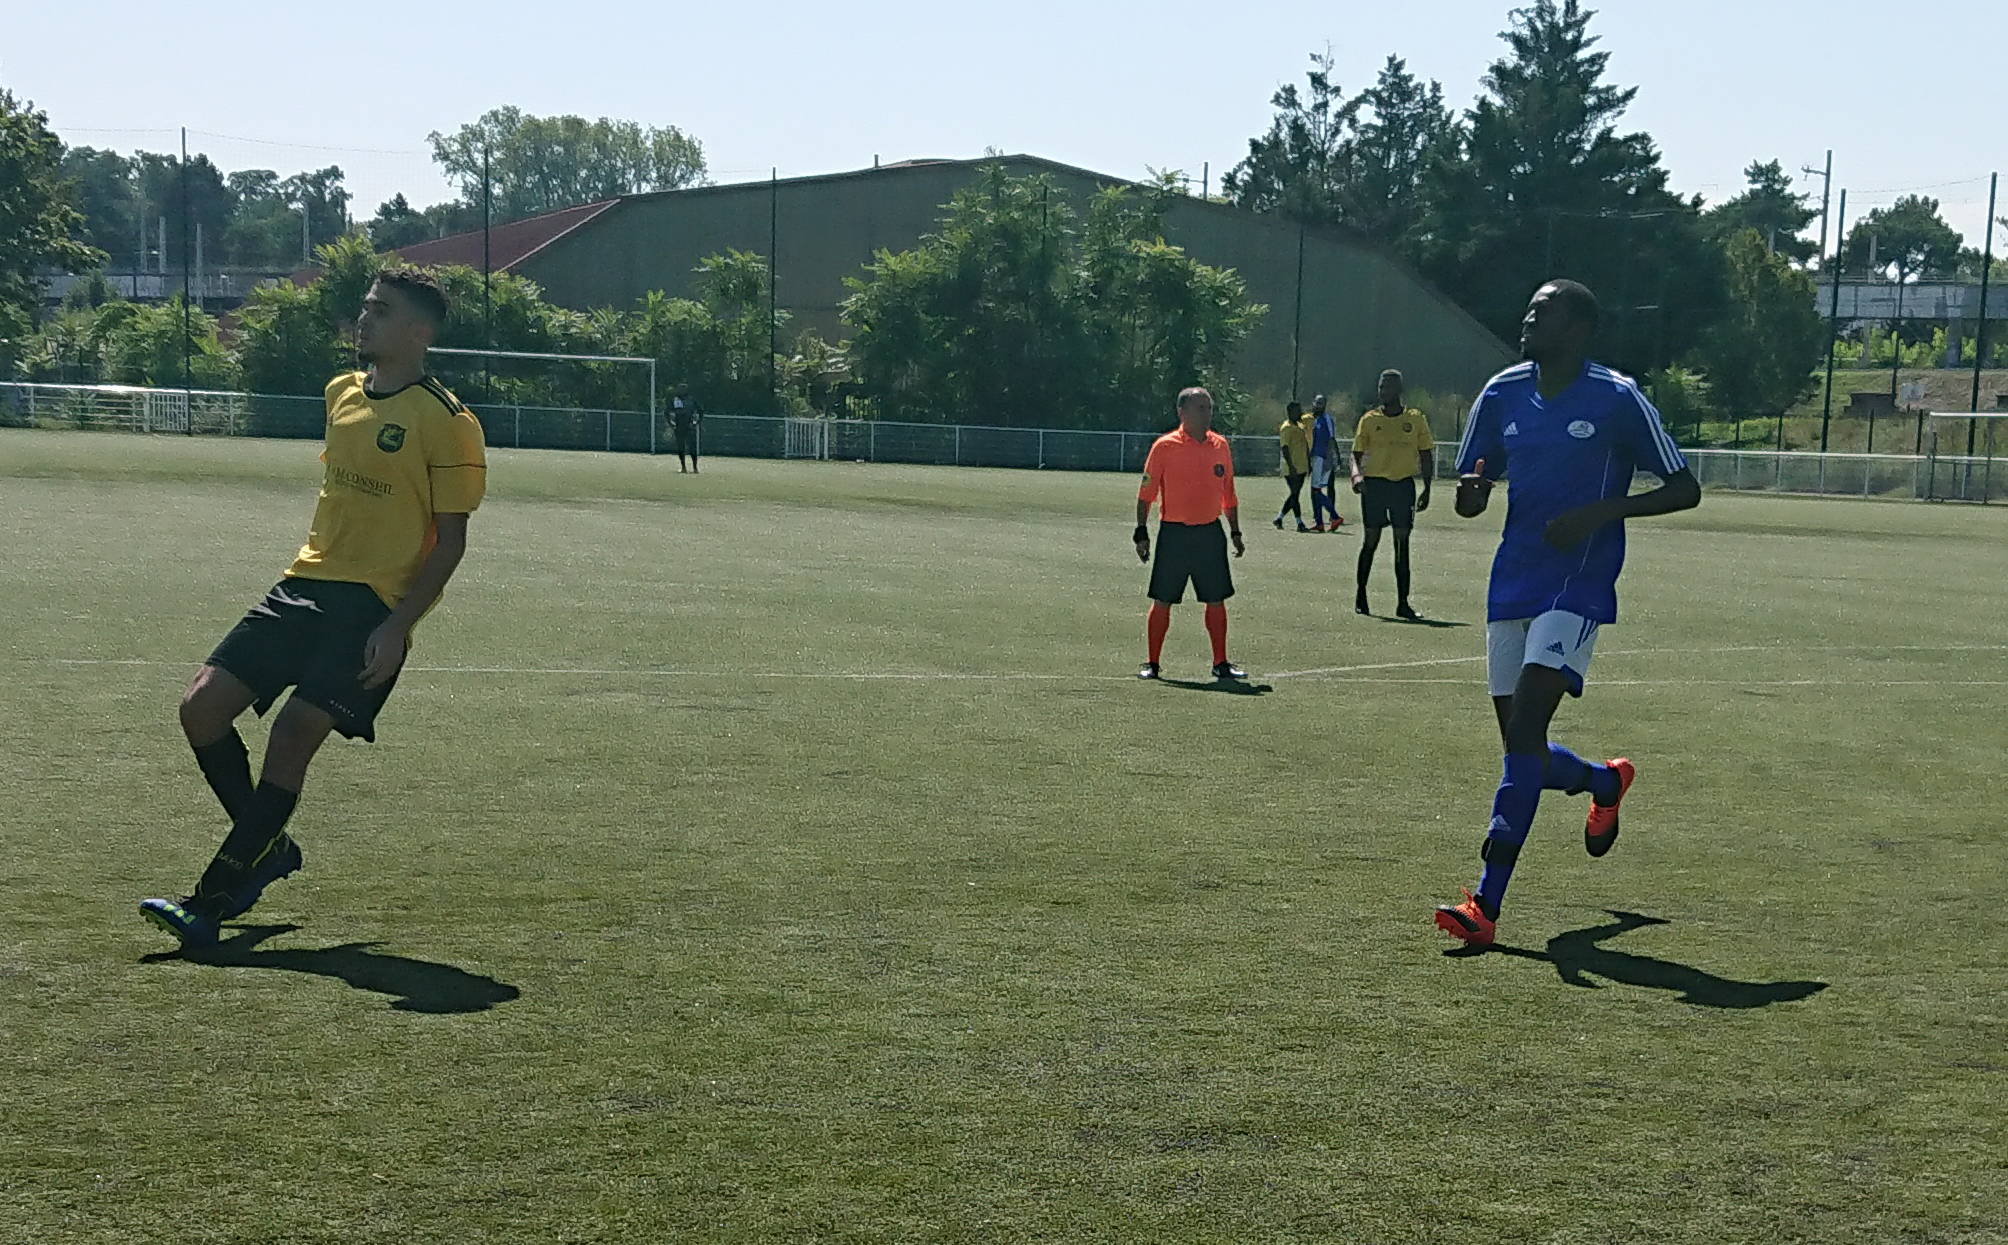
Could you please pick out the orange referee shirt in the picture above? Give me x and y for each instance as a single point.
(1195, 479)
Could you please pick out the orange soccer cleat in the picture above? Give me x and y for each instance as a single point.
(1467, 922)
(1600, 830)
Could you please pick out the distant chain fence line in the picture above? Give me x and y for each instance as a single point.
(133, 408)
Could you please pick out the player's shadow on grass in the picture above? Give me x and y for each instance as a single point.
(1231, 687)
(416, 985)
(1578, 956)
(1420, 622)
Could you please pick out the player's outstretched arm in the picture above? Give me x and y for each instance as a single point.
(1142, 530)
(1677, 491)
(384, 651)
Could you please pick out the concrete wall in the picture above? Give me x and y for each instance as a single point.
(1362, 311)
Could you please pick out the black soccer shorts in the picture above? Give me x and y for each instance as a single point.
(1387, 503)
(309, 634)
(1195, 552)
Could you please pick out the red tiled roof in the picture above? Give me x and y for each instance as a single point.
(508, 245)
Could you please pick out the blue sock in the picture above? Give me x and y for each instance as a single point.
(1512, 817)
(1568, 773)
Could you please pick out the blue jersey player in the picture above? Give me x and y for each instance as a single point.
(1568, 434)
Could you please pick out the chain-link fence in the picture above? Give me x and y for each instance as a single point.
(134, 409)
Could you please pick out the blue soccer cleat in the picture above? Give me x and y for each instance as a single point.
(192, 928)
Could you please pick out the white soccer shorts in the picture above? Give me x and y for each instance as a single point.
(1321, 471)
(1557, 639)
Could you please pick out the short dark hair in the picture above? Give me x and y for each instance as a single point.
(1577, 298)
(1187, 394)
(1295, 408)
(1393, 374)
(421, 288)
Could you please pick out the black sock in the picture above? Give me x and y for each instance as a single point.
(1401, 575)
(1366, 567)
(253, 832)
(227, 766)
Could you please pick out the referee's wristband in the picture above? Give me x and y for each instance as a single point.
(1142, 533)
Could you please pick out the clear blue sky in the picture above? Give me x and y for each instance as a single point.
(1905, 97)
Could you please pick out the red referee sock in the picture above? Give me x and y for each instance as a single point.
(1216, 626)
(1155, 625)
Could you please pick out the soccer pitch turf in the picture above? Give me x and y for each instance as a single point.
(787, 854)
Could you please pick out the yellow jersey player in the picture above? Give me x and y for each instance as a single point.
(1391, 451)
(405, 466)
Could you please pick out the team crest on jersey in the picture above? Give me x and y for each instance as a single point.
(1582, 430)
(390, 438)
(1220, 469)
(1408, 427)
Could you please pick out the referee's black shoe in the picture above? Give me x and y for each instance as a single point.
(1149, 671)
(1406, 613)
(1228, 670)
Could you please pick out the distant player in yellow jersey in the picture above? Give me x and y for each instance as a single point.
(1391, 451)
(405, 467)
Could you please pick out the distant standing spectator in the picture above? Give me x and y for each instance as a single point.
(1295, 436)
(685, 419)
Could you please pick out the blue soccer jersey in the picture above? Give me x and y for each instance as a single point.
(1324, 430)
(1557, 454)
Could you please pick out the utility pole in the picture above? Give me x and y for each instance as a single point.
(1980, 325)
(1833, 319)
(773, 271)
(487, 298)
(187, 320)
(1826, 176)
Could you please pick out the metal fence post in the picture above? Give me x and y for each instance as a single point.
(871, 442)
(958, 445)
(1042, 449)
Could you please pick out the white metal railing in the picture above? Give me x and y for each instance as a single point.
(135, 408)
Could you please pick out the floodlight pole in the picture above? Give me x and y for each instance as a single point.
(187, 323)
(487, 300)
(1834, 319)
(773, 271)
(1297, 324)
(1980, 326)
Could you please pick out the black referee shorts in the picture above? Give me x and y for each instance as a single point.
(1387, 503)
(309, 634)
(1195, 552)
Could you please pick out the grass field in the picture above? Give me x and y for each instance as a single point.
(786, 854)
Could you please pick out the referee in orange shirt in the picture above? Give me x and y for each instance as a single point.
(1192, 470)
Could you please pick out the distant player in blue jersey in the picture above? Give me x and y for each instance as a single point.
(1324, 468)
(1568, 434)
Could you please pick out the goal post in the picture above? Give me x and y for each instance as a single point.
(571, 358)
(1961, 449)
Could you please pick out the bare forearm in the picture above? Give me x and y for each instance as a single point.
(1233, 514)
(430, 581)
(1679, 491)
(1142, 513)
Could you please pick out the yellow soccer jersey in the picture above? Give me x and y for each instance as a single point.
(393, 462)
(1296, 442)
(1390, 446)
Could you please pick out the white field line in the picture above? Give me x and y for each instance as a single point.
(1321, 672)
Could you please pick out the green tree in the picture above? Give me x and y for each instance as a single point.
(1908, 238)
(144, 345)
(1544, 185)
(159, 194)
(398, 224)
(105, 195)
(39, 223)
(266, 230)
(1759, 354)
(537, 164)
(1010, 314)
(1403, 132)
(1298, 168)
(1770, 206)
(292, 338)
